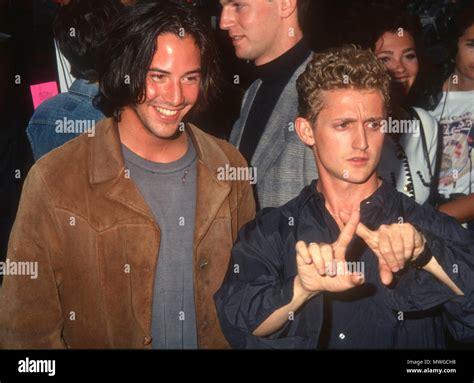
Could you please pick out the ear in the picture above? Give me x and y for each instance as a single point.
(304, 130)
(287, 8)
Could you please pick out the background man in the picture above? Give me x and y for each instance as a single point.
(269, 34)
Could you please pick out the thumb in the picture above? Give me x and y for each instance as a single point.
(386, 275)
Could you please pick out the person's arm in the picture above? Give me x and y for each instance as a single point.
(30, 309)
(255, 284)
(437, 270)
(280, 316)
(462, 208)
(447, 281)
(314, 262)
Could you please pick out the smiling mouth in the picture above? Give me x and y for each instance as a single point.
(167, 112)
(402, 80)
(236, 38)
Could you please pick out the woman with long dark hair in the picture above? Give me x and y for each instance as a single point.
(409, 157)
(455, 112)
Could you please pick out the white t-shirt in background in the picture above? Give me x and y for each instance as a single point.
(455, 112)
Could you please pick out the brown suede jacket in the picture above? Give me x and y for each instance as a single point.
(95, 241)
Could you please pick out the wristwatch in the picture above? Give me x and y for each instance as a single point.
(423, 259)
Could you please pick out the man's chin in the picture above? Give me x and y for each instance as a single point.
(168, 134)
(359, 179)
(173, 136)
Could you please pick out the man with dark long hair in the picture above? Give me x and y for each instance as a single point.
(130, 230)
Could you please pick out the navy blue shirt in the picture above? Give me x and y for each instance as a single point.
(413, 312)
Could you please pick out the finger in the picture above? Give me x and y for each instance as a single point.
(300, 261)
(347, 233)
(420, 242)
(327, 254)
(318, 261)
(386, 275)
(385, 248)
(357, 279)
(396, 240)
(408, 241)
(370, 237)
(302, 251)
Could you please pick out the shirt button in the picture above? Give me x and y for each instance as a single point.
(342, 336)
(147, 340)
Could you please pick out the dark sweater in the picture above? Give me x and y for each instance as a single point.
(274, 75)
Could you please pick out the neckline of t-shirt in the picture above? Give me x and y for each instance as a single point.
(458, 93)
(163, 168)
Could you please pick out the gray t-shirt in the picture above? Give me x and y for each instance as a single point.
(170, 191)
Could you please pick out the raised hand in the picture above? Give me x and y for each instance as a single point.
(317, 262)
(394, 245)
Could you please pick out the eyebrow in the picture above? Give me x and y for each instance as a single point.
(194, 71)
(404, 51)
(349, 120)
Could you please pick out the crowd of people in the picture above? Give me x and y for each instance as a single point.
(338, 214)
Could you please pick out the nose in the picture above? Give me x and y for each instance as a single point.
(227, 19)
(360, 138)
(397, 67)
(174, 93)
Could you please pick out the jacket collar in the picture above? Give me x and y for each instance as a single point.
(373, 209)
(107, 164)
(107, 160)
(84, 88)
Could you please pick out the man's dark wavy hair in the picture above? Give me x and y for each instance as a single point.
(131, 43)
(79, 29)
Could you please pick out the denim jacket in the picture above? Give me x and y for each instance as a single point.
(63, 117)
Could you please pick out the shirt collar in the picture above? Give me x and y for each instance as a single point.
(84, 88)
(372, 209)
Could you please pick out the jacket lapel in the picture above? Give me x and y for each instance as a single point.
(211, 192)
(272, 142)
(107, 165)
(238, 129)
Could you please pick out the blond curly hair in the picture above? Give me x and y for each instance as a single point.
(340, 68)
